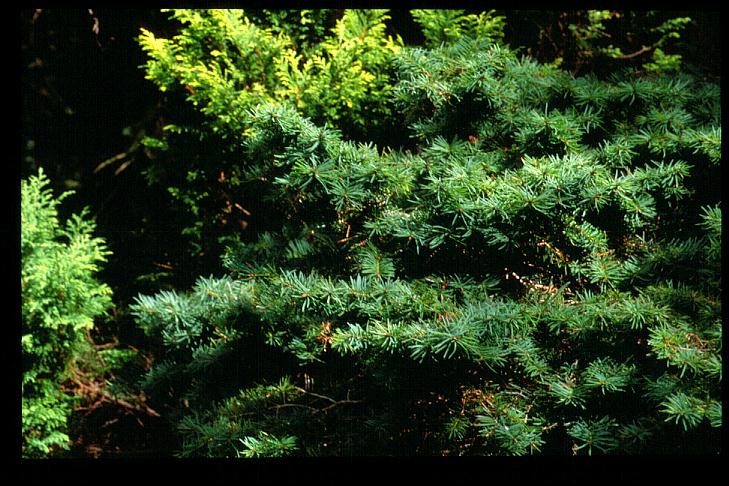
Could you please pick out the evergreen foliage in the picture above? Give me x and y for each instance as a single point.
(61, 297)
(335, 68)
(535, 269)
(442, 26)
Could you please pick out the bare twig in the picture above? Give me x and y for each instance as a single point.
(637, 53)
(340, 402)
(287, 405)
(334, 403)
(316, 395)
(96, 391)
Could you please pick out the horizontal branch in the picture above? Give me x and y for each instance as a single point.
(637, 53)
(340, 402)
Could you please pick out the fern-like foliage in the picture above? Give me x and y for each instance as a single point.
(61, 298)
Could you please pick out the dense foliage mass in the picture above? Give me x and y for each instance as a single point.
(61, 297)
(533, 267)
(424, 232)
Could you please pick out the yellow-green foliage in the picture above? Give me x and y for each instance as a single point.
(60, 299)
(228, 63)
(441, 26)
(334, 67)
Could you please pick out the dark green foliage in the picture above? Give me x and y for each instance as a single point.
(536, 270)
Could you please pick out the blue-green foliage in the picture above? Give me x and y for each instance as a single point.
(541, 273)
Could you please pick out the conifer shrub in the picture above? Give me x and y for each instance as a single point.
(535, 269)
(61, 297)
(334, 67)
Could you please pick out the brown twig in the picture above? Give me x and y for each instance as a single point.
(637, 53)
(286, 405)
(110, 345)
(340, 402)
(315, 394)
(334, 403)
(96, 392)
